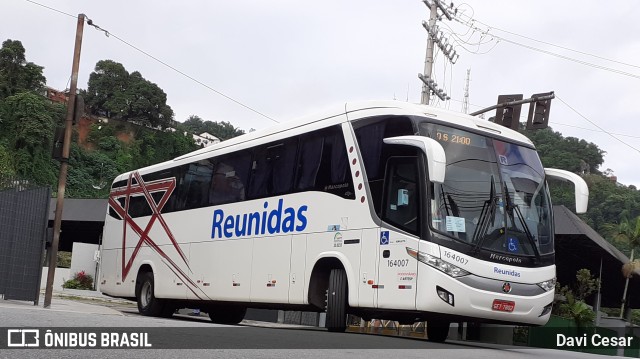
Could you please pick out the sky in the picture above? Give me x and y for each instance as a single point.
(283, 59)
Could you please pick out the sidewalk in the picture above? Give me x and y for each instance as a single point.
(61, 305)
(72, 300)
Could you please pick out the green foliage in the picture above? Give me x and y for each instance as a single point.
(607, 202)
(90, 173)
(223, 130)
(568, 153)
(16, 74)
(80, 280)
(116, 94)
(585, 284)
(570, 301)
(28, 121)
(6, 163)
(626, 232)
(607, 199)
(64, 260)
(578, 311)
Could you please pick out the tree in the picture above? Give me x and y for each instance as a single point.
(627, 232)
(27, 128)
(223, 130)
(572, 300)
(107, 85)
(6, 165)
(114, 93)
(16, 74)
(568, 153)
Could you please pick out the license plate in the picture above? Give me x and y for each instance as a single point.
(503, 305)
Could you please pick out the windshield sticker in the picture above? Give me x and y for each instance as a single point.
(455, 224)
(503, 160)
(512, 245)
(333, 228)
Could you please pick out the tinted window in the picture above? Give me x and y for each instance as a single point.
(230, 178)
(138, 206)
(370, 133)
(323, 164)
(402, 200)
(273, 169)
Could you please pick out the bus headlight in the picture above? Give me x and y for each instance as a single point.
(437, 263)
(548, 285)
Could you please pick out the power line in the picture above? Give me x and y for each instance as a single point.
(593, 123)
(620, 72)
(184, 74)
(594, 130)
(50, 8)
(554, 45)
(108, 34)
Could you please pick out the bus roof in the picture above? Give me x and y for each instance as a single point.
(334, 115)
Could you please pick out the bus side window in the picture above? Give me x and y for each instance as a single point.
(323, 164)
(273, 169)
(230, 179)
(196, 183)
(139, 207)
(309, 161)
(370, 133)
(402, 201)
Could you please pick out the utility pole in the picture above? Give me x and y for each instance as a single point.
(64, 161)
(435, 37)
(428, 61)
(465, 102)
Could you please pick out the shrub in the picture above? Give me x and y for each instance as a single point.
(64, 260)
(80, 280)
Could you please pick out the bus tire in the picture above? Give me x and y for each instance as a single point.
(227, 315)
(437, 331)
(337, 301)
(148, 304)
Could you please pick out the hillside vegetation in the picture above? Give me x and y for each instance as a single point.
(99, 150)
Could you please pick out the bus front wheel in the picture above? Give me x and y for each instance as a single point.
(148, 304)
(337, 301)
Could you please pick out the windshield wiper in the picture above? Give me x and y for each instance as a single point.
(513, 208)
(487, 216)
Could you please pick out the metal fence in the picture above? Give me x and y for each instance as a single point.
(24, 218)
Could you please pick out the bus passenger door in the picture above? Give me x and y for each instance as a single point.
(397, 271)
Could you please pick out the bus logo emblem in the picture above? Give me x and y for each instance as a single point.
(506, 287)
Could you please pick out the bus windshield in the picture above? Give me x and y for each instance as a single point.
(494, 196)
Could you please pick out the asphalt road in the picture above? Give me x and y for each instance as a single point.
(270, 342)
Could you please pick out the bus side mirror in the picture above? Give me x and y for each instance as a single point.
(436, 158)
(582, 190)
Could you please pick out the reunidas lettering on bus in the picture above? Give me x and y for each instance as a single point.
(277, 220)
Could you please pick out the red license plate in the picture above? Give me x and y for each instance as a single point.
(503, 305)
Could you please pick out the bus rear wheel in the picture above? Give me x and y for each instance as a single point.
(437, 330)
(227, 315)
(337, 301)
(148, 304)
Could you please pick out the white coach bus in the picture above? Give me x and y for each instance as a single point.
(384, 210)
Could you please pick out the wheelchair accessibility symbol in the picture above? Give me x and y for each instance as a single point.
(384, 237)
(512, 245)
